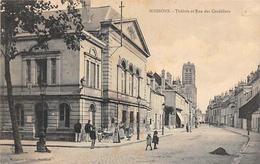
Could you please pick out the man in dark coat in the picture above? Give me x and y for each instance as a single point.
(77, 130)
(88, 127)
(155, 139)
(93, 137)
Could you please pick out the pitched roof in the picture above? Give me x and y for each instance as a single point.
(99, 14)
(158, 78)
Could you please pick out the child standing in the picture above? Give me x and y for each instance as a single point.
(155, 139)
(149, 141)
(99, 134)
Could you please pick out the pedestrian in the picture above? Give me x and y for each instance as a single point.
(149, 141)
(99, 134)
(93, 137)
(88, 127)
(187, 127)
(116, 137)
(155, 139)
(77, 130)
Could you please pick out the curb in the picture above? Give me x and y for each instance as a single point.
(70, 146)
(237, 159)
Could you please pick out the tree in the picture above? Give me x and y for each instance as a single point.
(28, 16)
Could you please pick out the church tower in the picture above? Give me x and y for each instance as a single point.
(189, 82)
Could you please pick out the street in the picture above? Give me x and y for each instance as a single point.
(180, 147)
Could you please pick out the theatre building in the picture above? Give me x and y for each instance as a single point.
(104, 82)
(71, 90)
(125, 95)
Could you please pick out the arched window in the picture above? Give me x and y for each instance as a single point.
(131, 79)
(64, 115)
(123, 77)
(123, 64)
(138, 82)
(19, 114)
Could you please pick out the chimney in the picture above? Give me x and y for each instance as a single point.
(153, 83)
(163, 80)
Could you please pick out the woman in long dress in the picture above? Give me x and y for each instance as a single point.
(116, 138)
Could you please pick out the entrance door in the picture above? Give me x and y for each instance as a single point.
(132, 119)
(41, 118)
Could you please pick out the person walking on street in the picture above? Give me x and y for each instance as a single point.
(77, 130)
(88, 127)
(187, 127)
(155, 139)
(149, 142)
(93, 137)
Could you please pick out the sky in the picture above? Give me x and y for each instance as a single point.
(225, 47)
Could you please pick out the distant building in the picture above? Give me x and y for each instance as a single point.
(240, 106)
(178, 109)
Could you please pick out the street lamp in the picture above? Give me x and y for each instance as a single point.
(41, 144)
(163, 119)
(138, 118)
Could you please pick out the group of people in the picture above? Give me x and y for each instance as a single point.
(90, 131)
(150, 140)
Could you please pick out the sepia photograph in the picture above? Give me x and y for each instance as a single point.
(130, 81)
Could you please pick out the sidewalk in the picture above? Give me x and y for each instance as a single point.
(250, 152)
(103, 144)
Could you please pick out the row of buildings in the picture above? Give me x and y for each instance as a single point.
(107, 82)
(239, 107)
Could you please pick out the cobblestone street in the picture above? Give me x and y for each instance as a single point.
(180, 147)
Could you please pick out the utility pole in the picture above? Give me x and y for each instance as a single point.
(121, 19)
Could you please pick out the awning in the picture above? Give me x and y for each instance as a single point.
(180, 116)
(250, 107)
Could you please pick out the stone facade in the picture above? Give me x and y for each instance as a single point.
(67, 96)
(239, 107)
(157, 101)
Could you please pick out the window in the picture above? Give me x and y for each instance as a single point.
(53, 70)
(131, 80)
(28, 70)
(123, 116)
(19, 114)
(130, 85)
(97, 76)
(87, 73)
(41, 71)
(123, 77)
(131, 117)
(93, 75)
(122, 81)
(65, 115)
